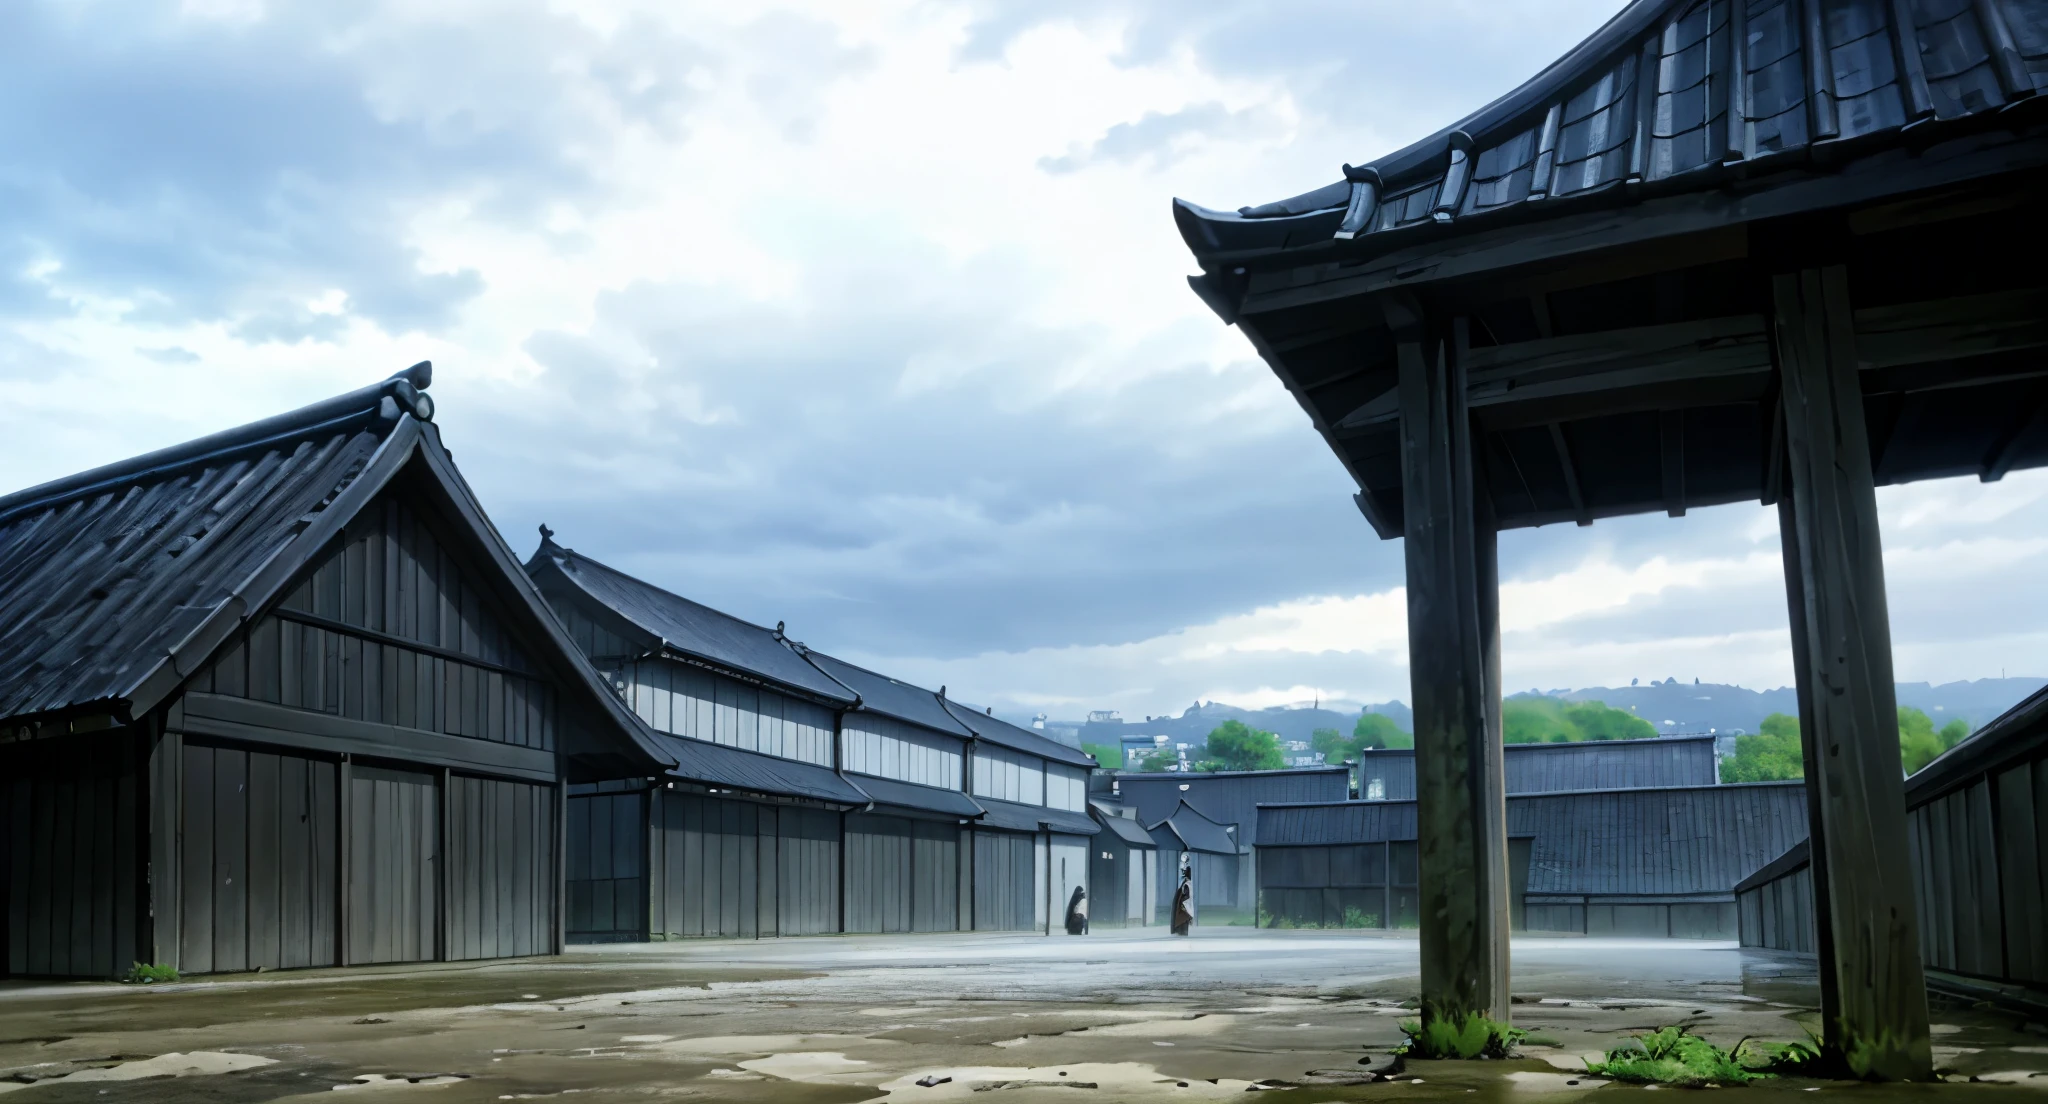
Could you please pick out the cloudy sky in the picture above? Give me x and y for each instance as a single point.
(866, 317)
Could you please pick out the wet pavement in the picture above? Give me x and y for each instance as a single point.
(999, 1018)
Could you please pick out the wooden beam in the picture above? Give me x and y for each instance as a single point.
(1460, 788)
(1374, 516)
(1671, 438)
(1951, 329)
(1571, 474)
(2024, 429)
(1877, 1024)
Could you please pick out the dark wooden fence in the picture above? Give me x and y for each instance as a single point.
(1977, 836)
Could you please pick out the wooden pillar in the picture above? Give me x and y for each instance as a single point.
(1453, 652)
(1874, 1012)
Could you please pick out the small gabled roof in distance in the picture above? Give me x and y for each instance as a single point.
(689, 628)
(1124, 828)
(993, 729)
(890, 697)
(1196, 832)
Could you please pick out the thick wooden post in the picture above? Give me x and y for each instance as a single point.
(1453, 656)
(1875, 994)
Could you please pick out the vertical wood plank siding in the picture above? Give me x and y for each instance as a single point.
(902, 874)
(607, 868)
(394, 874)
(1976, 848)
(392, 582)
(70, 855)
(889, 748)
(689, 701)
(735, 869)
(258, 863)
(1552, 768)
(1004, 880)
(501, 845)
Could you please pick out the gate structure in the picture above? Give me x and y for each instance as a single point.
(1781, 251)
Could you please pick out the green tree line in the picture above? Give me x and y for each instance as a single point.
(1772, 755)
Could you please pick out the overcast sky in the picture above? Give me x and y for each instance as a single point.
(866, 317)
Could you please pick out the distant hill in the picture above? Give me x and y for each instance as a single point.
(1671, 705)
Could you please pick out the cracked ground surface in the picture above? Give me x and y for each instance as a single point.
(1133, 1015)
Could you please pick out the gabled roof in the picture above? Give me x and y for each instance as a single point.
(688, 628)
(117, 584)
(890, 697)
(1587, 132)
(1195, 832)
(1231, 797)
(988, 727)
(1122, 827)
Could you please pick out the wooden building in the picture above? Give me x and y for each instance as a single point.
(1776, 251)
(1388, 774)
(1123, 873)
(1034, 795)
(1978, 835)
(1229, 798)
(282, 697)
(1650, 862)
(809, 795)
(1216, 858)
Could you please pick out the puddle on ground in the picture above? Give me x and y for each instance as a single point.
(829, 1066)
(198, 1063)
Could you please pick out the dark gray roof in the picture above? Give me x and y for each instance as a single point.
(1550, 768)
(1231, 797)
(108, 577)
(1572, 136)
(1030, 818)
(1122, 827)
(690, 628)
(890, 697)
(119, 583)
(998, 731)
(1671, 841)
(910, 795)
(750, 771)
(1196, 832)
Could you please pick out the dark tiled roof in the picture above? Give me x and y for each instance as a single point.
(1197, 832)
(114, 580)
(1587, 125)
(1030, 818)
(997, 731)
(690, 628)
(1122, 827)
(910, 795)
(718, 765)
(890, 697)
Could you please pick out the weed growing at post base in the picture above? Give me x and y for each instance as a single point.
(1471, 1037)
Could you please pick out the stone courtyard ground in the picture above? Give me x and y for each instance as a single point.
(1111, 1016)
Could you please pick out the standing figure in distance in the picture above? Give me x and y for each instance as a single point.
(1077, 912)
(1184, 898)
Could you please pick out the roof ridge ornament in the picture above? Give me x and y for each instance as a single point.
(1364, 203)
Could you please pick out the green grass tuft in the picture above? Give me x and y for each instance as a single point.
(140, 974)
(1673, 1056)
(1466, 1038)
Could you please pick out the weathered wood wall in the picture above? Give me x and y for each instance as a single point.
(502, 840)
(902, 874)
(259, 846)
(607, 868)
(1356, 885)
(738, 869)
(70, 855)
(1003, 874)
